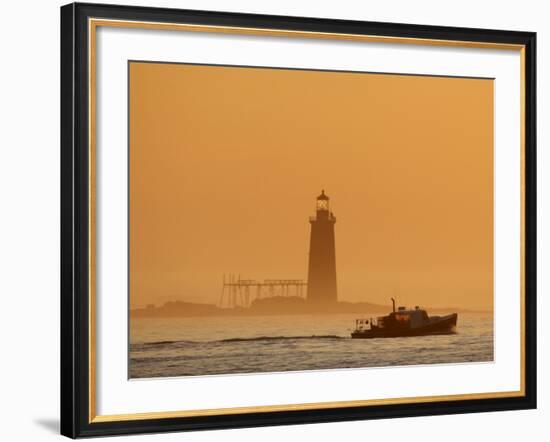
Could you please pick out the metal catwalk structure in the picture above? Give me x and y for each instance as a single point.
(237, 292)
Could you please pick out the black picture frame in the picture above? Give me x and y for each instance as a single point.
(75, 220)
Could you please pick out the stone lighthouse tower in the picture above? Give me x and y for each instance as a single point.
(321, 280)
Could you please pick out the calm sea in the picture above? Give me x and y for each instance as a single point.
(217, 345)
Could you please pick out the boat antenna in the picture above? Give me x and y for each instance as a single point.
(393, 304)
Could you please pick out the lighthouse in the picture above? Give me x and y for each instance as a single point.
(321, 281)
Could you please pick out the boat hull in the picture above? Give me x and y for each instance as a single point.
(443, 326)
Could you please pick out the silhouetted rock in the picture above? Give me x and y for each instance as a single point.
(177, 309)
(279, 305)
(275, 305)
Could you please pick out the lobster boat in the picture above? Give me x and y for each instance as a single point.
(404, 322)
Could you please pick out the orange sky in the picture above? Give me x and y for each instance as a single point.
(225, 164)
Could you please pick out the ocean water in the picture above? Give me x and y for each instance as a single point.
(165, 347)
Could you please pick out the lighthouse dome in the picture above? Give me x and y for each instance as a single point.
(322, 196)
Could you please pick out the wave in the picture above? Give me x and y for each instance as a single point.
(229, 340)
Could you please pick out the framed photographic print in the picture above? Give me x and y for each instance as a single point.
(275, 220)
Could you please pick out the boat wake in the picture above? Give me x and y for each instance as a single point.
(231, 340)
(280, 338)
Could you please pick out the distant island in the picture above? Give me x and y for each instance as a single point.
(276, 305)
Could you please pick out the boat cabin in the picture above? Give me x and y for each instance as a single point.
(400, 318)
(407, 318)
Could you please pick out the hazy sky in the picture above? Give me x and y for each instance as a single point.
(225, 165)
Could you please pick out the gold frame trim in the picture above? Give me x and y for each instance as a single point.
(93, 24)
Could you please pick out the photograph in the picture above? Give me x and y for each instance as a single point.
(282, 217)
(286, 219)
